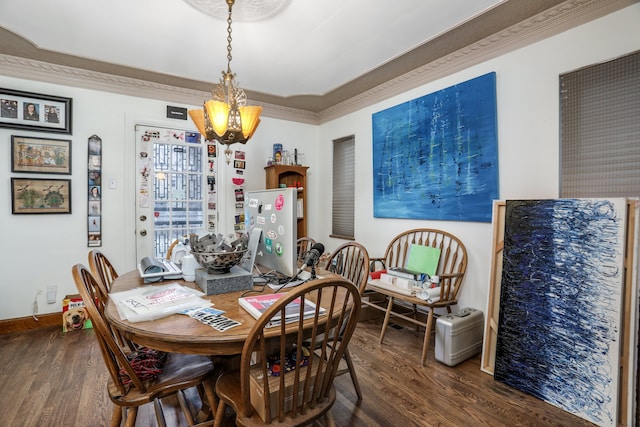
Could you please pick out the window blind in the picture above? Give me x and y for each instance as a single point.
(342, 210)
(600, 130)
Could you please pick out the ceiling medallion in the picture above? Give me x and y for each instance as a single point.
(244, 11)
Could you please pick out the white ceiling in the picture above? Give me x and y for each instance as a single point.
(311, 48)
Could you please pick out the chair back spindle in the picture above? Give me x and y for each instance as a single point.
(102, 269)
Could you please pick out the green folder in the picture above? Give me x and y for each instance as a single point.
(423, 259)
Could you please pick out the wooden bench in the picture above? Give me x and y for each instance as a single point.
(451, 269)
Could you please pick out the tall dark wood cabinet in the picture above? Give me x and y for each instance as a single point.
(291, 176)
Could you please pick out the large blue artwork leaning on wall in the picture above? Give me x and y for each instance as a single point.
(561, 303)
(436, 157)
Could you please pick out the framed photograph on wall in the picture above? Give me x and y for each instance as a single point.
(34, 111)
(40, 196)
(40, 155)
(94, 174)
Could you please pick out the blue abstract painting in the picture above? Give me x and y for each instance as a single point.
(436, 157)
(561, 304)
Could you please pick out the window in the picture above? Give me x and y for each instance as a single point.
(178, 192)
(343, 188)
(600, 130)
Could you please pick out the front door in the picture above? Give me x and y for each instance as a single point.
(171, 188)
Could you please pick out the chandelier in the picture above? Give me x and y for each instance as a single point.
(225, 117)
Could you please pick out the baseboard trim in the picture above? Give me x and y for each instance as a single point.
(28, 323)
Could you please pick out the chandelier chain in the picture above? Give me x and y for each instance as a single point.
(229, 39)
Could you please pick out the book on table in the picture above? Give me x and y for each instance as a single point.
(258, 304)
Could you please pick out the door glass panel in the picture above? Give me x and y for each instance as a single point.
(178, 170)
(178, 195)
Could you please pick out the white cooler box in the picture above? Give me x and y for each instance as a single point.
(459, 336)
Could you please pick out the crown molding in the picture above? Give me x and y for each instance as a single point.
(550, 22)
(31, 69)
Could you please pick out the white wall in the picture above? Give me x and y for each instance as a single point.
(528, 137)
(40, 249)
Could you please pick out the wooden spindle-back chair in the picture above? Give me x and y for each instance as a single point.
(304, 245)
(451, 269)
(351, 261)
(127, 390)
(309, 393)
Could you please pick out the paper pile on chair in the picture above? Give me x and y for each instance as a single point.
(400, 282)
(391, 287)
(154, 302)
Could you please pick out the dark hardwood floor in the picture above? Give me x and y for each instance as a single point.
(48, 378)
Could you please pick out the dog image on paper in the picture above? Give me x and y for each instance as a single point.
(74, 314)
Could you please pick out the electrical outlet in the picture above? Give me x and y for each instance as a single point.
(51, 294)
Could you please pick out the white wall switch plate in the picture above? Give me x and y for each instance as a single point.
(51, 294)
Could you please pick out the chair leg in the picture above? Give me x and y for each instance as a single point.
(328, 419)
(132, 414)
(415, 316)
(427, 337)
(116, 417)
(219, 414)
(211, 397)
(185, 408)
(387, 315)
(352, 373)
(160, 414)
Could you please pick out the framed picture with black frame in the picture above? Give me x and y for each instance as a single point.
(35, 111)
(40, 155)
(40, 196)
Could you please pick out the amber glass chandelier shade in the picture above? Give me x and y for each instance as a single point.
(218, 113)
(197, 117)
(250, 118)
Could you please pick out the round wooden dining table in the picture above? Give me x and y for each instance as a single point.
(179, 333)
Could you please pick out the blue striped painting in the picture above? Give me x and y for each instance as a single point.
(436, 157)
(560, 303)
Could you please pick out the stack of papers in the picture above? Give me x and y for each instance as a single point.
(392, 287)
(154, 302)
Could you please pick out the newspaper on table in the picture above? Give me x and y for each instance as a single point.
(157, 301)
